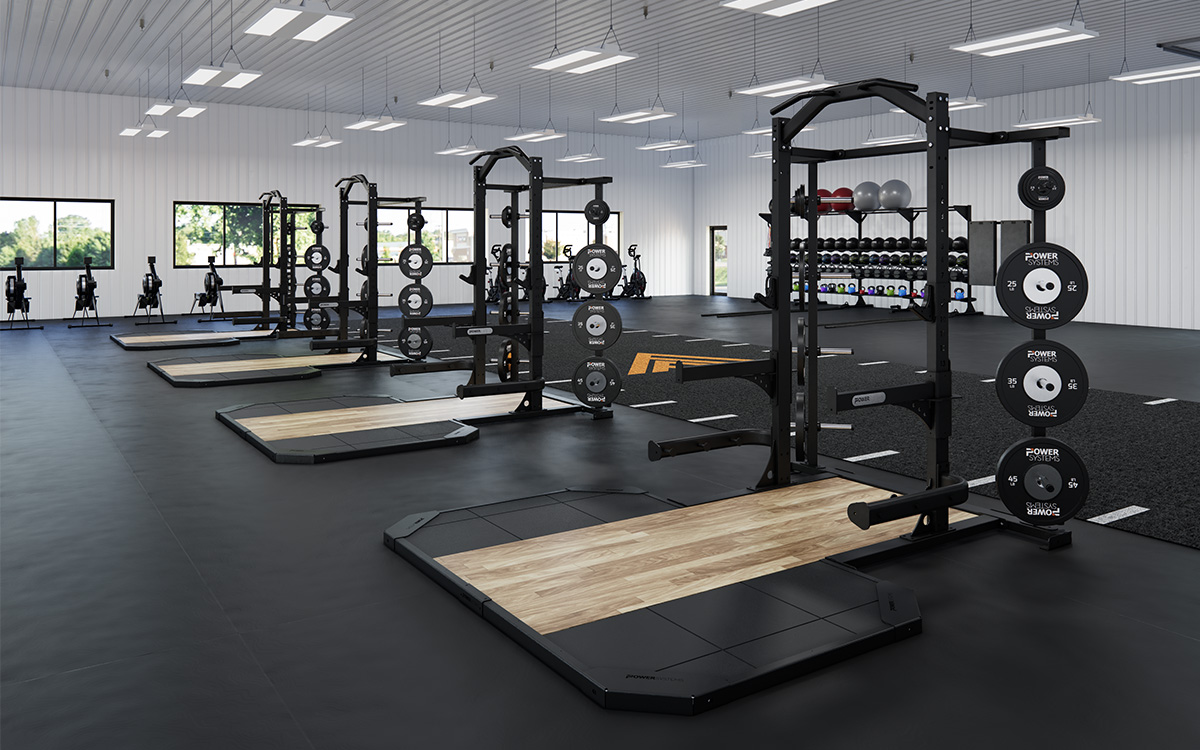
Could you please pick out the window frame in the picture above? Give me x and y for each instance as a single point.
(558, 245)
(112, 233)
(224, 245)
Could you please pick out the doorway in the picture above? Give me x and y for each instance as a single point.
(718, 253)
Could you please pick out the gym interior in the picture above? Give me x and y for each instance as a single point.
(646, 373)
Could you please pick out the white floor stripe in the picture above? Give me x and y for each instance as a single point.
(988, 380)
(652, 403)
(1117, 515)
(692, 341)
(922, 372)
(726, 346)
(981, 481)
(868, 456)
(709, 419)
(556, 382)
(468, 356)
(823, 356)
(438, 351)
(557, 321)
(640, 330)
(663, 335)
(1159, 401)
(868, 364)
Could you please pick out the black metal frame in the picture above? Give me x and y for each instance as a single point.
(477, 326)
(931, 400)
(112, 232)
(225, 205)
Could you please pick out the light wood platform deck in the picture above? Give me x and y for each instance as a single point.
(574, 577)
(168, 338)
(333, 421)
(266, 363)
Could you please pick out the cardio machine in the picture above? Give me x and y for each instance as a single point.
(86, 297)
(211, 296)
(14, 296)
(151, 296)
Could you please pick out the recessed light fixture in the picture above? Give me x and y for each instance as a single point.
(775, 7)
(301, 22)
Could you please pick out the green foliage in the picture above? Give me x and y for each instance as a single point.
(29, 240)
(76, 239)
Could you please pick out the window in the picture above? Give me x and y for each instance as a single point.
(230, 231)
(562, 228)
(52, 233)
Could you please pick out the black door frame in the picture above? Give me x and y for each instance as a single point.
(712, 261)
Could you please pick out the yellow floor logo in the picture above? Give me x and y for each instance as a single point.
(644, 362)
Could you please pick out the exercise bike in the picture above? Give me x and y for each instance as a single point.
(567, 289)
(14, 296)
(493, 288)
(85, 298)
(636, 286)
(211, 296)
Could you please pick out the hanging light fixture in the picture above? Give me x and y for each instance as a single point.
(467, 149)
(692, 163)
(814, 81)
(547, 133)
(757, 129)
(677, 144)
(363, 121)
(386, 121)
(656, 110)
(307, 140)
(468, 97)
(589, 156)
(230, 75)
(1087, 118)
(1020, 41)
(174, 106)
(585, 59)
(140, 127)
(775, 7)
(521, 134)
(324, 139)
(300, 22)
(153, 129)
(1150, 75)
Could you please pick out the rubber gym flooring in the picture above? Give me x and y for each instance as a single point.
(165, 586)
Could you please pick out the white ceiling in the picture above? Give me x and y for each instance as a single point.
(705, 49)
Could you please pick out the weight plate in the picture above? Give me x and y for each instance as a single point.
(1042, 481)
(415, 222)
(317, 257)
(416, 261)
(596, 269)
(597, 325)
(316, 318)
(316, 286)
(415, 301)
(1041, 188)
(506, 217)
(362, 291)
(1042, 383)
(597, 381)
(596, 212)
(415, 341)
(506, 363)
(1042, 285)
(316, 227)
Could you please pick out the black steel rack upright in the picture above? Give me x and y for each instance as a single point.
(931, 399)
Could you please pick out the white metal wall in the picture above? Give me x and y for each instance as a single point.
(57, 144)
(1129, 212)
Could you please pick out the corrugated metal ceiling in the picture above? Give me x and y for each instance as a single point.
(705, 49)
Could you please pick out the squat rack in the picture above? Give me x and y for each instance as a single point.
(931, 399)
(477, 325)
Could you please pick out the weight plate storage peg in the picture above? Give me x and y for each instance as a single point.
(316, 318)
(415, 301)
(1041, 188)
(596, 269)
(596, 212)
(1042, 383)
(316, 286)
(506, 363)
(317, 257)
(1042, 481)
(416, 261)
(1042, 285)
(596, 325)
(415, 222)
(415, 341)
(597, 382)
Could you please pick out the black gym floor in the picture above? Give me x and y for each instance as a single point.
(165, 585)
